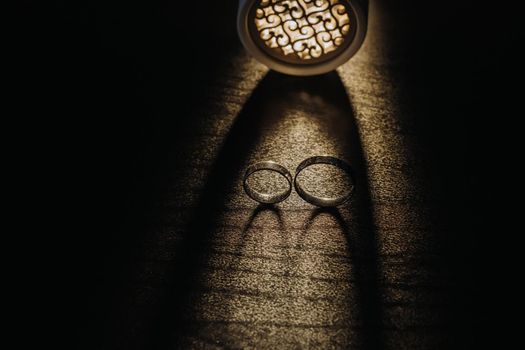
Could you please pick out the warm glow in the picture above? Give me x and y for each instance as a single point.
(304, 30)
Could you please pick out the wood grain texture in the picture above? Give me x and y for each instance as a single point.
(193, 263)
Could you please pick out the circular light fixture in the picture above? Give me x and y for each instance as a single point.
(302, 37)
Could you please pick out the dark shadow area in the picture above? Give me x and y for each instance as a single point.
(456, 85)
(117, 82)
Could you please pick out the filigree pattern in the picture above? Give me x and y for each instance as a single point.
(302, 29)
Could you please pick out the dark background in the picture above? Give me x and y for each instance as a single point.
(109, 88)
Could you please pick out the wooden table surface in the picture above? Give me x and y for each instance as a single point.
(173, 254)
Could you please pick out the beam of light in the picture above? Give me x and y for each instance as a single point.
(283, 271)
(285, 275)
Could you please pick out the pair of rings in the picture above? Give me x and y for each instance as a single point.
(268, 198)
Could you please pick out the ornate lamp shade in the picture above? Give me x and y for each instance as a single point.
(302, 37)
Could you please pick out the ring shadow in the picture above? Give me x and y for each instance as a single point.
(366, 273)
(245, 134)
(261, 208)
